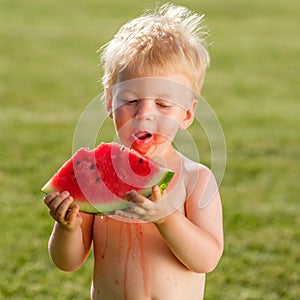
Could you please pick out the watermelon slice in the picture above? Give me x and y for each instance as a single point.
(98, 179)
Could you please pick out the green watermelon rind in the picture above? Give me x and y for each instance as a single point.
(162, 180)
(101, 208)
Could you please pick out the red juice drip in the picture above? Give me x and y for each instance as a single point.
(135, 257)
(120, 248)
(143, 261)
(129, 248)
(106, 237)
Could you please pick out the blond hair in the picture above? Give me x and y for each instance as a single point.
(171, 39)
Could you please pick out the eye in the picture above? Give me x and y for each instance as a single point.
(163, 104)
(130, 101)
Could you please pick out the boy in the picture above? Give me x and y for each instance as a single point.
(152, 66)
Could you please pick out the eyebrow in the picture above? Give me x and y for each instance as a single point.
(135, 92)
(123, 92)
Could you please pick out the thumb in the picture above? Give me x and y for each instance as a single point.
(156, 194)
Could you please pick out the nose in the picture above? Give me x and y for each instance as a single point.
(145, 109)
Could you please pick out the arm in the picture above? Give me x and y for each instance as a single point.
(198, 249)
(198, 242)
(196, 238)
(71, 237)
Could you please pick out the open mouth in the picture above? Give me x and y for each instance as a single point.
(142, 135)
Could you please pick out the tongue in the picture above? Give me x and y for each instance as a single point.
(143, 135)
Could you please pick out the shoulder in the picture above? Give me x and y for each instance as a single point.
(201, 185)
(192, 169)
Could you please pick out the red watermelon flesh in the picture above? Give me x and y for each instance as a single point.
(98, 179)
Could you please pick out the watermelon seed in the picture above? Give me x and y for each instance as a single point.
(140, 160)
(97, 179)
(92, 166)
(77, 162)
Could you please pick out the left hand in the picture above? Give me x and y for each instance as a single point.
(141, 208)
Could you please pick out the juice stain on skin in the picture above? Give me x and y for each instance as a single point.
(106, 237)
(131, 255)
(135, 254)
(120, 248)
(143, 261)
(129, 237)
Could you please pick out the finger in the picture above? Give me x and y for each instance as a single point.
(72, 213)
(156, 194)
(126, 214)
(138, 210)
(59, 212)
(135, 197)
(57, 201)
(64, 207)
(49, 197)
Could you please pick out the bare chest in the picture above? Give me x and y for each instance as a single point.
(132, 261)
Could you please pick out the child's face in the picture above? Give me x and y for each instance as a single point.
(148, 111)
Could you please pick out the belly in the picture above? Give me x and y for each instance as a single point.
(132, 261)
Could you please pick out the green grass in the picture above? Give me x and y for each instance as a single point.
(49, 73)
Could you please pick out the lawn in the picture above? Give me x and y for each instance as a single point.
(48, 75)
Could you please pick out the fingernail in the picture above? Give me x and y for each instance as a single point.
(130, 193)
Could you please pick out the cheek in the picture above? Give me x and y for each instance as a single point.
(168, 126)
(180, 117)
(119, 123)
(123, 122)
(174, 118)
(121, 116)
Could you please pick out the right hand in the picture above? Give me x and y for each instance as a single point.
(60, 210)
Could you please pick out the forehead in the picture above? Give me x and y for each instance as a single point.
(154, 87)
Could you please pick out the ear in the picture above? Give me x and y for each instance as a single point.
(189, 115)
(108, 101)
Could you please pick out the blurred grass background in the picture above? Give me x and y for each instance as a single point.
(48, 74)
